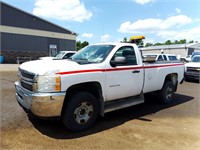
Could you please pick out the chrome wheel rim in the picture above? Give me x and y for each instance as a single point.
(169, 92)
(83, 112)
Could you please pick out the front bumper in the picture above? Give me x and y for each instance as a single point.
(40, 104)
(192, 75)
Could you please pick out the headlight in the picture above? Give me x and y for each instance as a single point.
(49, 83)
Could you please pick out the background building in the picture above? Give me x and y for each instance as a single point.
(25, 36)
(181, 50)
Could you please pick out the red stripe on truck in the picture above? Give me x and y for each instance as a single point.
(117, 69)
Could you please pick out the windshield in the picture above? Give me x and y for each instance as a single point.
(196, 59)
(195, 53)
(60, 55)
(92, 54)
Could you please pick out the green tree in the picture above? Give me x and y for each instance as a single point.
(148, 44)
(157, 44)
(168, 42)
(80, 45)
(141, 44)
(191, 41)
(124, 40)
(183, 41)
(176, 42)
(85, 43)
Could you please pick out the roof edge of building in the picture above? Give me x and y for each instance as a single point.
(72, 32)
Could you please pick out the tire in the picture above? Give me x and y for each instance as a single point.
(81, 112)
(166, 94)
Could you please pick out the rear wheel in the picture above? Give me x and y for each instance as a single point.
(81, 112)
(166, 95)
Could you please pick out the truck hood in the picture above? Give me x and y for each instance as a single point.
(192, 64)
(42, 67)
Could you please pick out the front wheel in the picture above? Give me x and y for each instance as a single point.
(81, 112)
(166, 94)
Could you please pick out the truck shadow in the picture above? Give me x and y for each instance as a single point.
(56, 129)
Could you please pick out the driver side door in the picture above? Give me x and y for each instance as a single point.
(124, 80)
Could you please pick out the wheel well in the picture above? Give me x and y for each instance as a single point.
(91, 87)
(173, 77)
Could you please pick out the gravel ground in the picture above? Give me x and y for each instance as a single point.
(8, 67)
(148, 126)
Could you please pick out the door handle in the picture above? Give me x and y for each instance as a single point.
(136, 71)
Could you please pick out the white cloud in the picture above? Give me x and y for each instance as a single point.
(154, 25)
(69, 10)
(191, 34)
(148, 40)
(166, 34)
(105, 38)
(175, 21)
(178, 10)
(143, 2)
(87, 35)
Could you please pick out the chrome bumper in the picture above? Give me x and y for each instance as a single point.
(40, 104)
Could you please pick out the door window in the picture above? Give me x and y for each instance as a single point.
(68, 55)
(129, 54)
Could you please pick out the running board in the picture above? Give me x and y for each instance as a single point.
(123, 103)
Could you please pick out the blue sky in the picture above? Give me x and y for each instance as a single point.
(110, 21)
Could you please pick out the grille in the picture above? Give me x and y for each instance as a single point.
(27, 75)
(193, 69)
(27, 86)
(27, 79)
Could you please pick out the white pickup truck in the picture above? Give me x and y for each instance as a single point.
(60, 55)
(99, 78)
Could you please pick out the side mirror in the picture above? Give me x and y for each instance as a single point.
(118, 61)
(149, 59)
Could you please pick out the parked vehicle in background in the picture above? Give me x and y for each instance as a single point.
(163, 57)
(194, 54)
(60, 55)
(186, 59)
(189, 57)
(192, 69)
